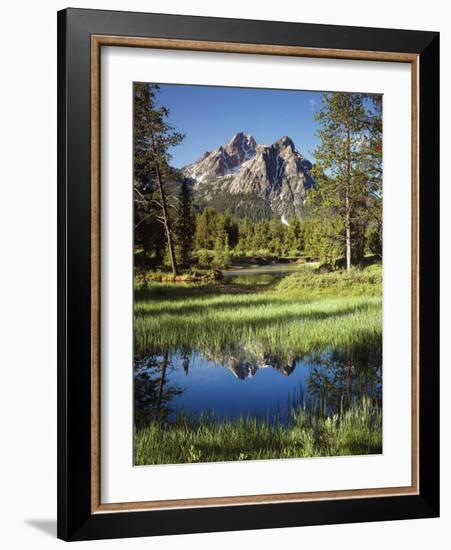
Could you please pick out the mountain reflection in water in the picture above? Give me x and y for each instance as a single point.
(240, 382)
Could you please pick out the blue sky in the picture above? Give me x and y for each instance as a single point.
(209, 116)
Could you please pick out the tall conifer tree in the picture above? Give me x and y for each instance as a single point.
(153, 137)
(185, 224)
(338, 172)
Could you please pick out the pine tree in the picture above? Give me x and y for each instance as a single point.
(185, 224)
(226, 257)
(373, 169)
(231, 228)
(206, 229)
(339, 170)
(294, 241)
(218, 256)
(276, 236)
(153, 137)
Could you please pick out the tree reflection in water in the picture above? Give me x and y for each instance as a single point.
(327, 381)
(153, 390)
(340, 377)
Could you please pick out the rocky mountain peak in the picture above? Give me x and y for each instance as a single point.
(285, 142)
(277, 175)
(240, 148)
(241, 141)
(224, 160)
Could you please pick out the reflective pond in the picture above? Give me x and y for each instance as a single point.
(260, 275)
(239, 383)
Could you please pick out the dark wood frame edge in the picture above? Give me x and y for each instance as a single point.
(76, 519)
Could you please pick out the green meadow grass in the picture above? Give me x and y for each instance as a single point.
(355, 431)
(303, 312)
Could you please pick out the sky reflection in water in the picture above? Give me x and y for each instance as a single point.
(233, 384)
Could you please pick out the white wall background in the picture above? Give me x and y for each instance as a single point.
(28, 272)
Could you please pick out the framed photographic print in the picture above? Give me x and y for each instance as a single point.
(248, 274)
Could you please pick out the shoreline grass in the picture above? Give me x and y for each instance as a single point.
(303, 312)
(355, 431)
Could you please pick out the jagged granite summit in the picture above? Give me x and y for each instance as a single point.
(276, 174)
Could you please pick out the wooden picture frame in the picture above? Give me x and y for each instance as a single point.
(81, 35)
